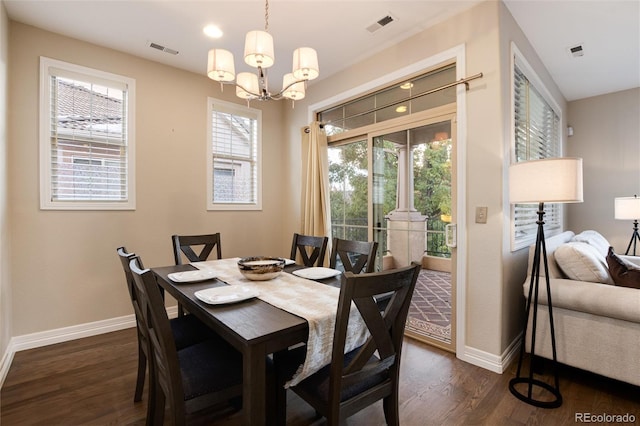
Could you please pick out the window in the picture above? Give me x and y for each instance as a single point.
(536, 136)
(233, 157)
(86, 138)
(400, 99)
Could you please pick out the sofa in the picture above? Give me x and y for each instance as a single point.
(597, 323)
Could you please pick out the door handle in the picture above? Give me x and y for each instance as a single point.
(451, 235)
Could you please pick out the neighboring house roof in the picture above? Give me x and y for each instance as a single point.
(80, 108)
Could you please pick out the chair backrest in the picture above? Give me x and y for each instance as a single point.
(164, 362)
(312, 249)
(386, 330)
(188, 243)
(355, 256)
(125, 259)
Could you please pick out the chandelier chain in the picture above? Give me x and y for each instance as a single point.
(266, 16)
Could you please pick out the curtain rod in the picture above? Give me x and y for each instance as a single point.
(464, 81)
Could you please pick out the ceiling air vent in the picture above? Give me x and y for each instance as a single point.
(162, 48)
(576, 51)
(380, 23)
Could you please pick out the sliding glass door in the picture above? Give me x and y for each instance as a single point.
(412, 208)
(349, 180)
(396, 186)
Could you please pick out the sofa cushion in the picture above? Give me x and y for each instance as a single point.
(552, 244)
(592, 298)
(595, 239)
(623, 273)
(582, 262)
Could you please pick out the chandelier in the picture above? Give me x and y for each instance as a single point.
(259, 53)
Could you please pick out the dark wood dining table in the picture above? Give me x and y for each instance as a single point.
(255, 328)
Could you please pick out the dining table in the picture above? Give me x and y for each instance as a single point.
(257, 329)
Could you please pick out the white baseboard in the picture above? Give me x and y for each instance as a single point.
(491, 362)
(497, 364)
(5, 363)
(66, 334)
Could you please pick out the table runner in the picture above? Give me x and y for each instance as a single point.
(315, 302)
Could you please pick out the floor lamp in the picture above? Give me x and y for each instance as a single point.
(553, 180)
(628, 208)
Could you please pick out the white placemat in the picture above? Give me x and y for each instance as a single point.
(313, 301)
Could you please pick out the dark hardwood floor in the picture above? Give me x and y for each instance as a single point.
(91, 382)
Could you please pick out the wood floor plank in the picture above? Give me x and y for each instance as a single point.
(91, 381)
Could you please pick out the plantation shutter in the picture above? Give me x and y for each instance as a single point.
(536, 136)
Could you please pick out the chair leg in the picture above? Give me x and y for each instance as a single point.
(390, 406)
(277, 398)
(158, 407)
(152, 400)
(177, 412)
(142, 369)
(333, 419)
(180, 310)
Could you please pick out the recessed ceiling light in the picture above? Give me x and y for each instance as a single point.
(401, 108)
(212, 31)
(407, 85)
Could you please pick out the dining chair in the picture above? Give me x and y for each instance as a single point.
(196, 248)
(353, 256)
(312, 249)
(187, 380)
(357, 379)
(186, 330)
(188, 244)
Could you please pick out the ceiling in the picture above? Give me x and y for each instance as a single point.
(608, 30)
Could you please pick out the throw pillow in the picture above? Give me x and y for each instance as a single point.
(582, 262)
(595, 239)
(624, 273)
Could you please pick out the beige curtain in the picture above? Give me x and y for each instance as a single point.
(316, 218)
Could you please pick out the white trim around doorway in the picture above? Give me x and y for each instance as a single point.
(457, 54)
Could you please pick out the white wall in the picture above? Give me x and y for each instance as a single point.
(5, 288)
(493, 291)
(606, 134)
(514, 265)
(65, 270)
(77, 277)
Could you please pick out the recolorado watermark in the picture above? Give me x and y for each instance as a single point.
(604, 418)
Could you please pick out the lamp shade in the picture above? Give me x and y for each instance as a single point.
(305, 63)
(554, 180)
(295, 90)
(258, 49)
(247, 85)
(627, 208)
(220, 65)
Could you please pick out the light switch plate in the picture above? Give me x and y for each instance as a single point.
(481, 214)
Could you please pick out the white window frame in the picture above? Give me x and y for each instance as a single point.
(518, 59)
(214, 105)
(49, 67)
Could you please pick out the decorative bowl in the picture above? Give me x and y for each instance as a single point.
(261, 268)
